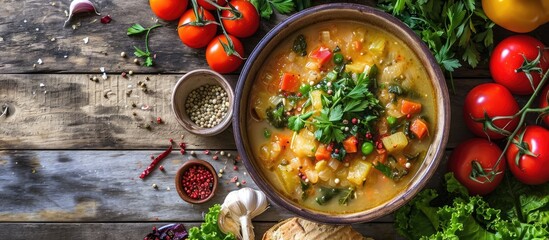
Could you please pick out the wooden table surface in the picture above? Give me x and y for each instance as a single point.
(71, 149)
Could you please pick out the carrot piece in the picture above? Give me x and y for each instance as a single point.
(289, 82)
(419, 128)
(322, 153)
(357, 45)
(282, 140)
(350, 144)
(410, 107)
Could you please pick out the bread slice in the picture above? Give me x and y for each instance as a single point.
(301, 229)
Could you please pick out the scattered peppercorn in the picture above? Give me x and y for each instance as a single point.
(123, 74)
(207, 105)
(159, 120)
(128, 93)
(235, 168)
(155, 186)
(136, 61)
(123, 54)
(207, 152)
(161, 167)
(215, 157)
(130, 72)
(238, 184)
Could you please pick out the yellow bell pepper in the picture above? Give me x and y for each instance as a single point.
(517, 15)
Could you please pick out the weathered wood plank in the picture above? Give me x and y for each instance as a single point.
(28, 27)
(72, 112)
(132, 231)
(103, 186)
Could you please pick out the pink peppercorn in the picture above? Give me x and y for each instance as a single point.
(198, 182)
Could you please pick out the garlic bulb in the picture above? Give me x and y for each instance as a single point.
(78, 6)
(238, 210)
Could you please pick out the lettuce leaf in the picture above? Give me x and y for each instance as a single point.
(513, 211)
(209, 229)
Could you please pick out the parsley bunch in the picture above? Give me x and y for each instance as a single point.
(454, 30)
(352, 98)
(137, 29)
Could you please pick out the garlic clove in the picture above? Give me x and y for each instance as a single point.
(238, 209)
(78, 6)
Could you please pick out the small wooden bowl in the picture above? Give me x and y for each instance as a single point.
(179, 179)
(191, 81)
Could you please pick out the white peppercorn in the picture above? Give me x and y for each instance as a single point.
(206, 105)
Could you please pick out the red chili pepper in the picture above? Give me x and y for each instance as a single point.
(151, 166)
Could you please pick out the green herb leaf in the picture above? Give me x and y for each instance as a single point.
(209, 230)
(453, 30)
(296, 123)
(136, 29)
(283, 6)
(347, 195)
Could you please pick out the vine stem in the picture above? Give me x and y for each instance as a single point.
(522, 113)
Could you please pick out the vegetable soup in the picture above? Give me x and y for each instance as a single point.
(340, 116)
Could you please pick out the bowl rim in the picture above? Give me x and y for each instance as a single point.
(179, 174)
(222, 81)
(413, 188)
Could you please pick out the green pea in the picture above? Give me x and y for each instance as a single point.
(304, 89)
(338, 58)
(367, 148)
(391, 120)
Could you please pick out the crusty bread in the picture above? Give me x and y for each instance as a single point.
(301, 229)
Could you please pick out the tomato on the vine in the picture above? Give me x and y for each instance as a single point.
(196, 34)
(168, 9)
(508, 57)
(242, 24)
(221, 58)
(544, 102)
(529, 161)
(473, 163)
(206, 5)
(490, 100)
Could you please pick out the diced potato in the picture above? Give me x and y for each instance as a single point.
(334, 164)
(304, 144)
(355, 67)
(316, 100)
(377, 47)
(312, 175)
(321, 165)
(358, 171)
(268, 153)
(326, 174)
(312, 65)
(395, 142)
(325, 36)
(313, 76)
(289, 179)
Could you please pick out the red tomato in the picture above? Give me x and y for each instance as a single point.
(493, 100)
(210, 7)
(196, 36)
(219, 60)
(544, 102)
(245, 25)
(482, 152)
(534, 168)
(508, 56)
(168, 9)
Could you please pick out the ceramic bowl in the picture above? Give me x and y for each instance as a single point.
(186, 84)
(179, 179)
(358, 13)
